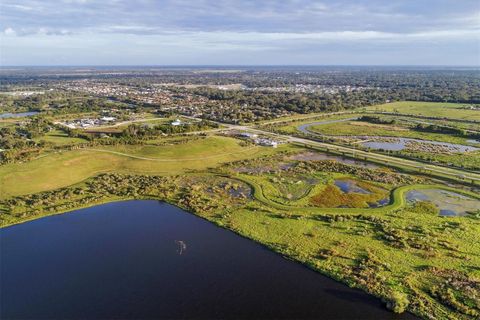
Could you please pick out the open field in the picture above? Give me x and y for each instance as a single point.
(8, 122)
(429, 109)
(59, 138)
(290, 125)
(62, 169)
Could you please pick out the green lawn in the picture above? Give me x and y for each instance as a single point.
(57, 170)
(290, 125)
(430, 109)
(59, 138)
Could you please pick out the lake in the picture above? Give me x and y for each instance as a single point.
(148, 259)
(17, 115)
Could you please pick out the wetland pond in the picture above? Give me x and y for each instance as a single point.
(17, 115)
(147, 259)
(449, 203)
(350, 186)
(397, 144)
(315, 156)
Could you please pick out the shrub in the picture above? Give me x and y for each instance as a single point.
(398, 302)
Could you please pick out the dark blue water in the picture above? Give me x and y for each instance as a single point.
(147, 259)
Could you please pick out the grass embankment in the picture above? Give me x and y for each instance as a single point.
(57, 170)
(458, 111)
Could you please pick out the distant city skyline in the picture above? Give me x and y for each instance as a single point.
(228, 32)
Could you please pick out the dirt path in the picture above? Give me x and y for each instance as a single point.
(168, 160)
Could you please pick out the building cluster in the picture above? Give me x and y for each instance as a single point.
(87, 122)
(262, 141)
(22, 93)
(311, 88)
(177, 122)
(151, 94)
(176, 98)
(472, 107)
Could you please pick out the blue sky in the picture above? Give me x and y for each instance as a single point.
(248, 32)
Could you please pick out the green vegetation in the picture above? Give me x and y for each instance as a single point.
(59, 169)
(459, 111)
(290, 125)
(59, 138)
(341, 130)
(359, 128)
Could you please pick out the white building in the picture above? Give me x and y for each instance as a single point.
(266, 142)
(107, 119)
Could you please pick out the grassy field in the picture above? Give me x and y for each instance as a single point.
(62, 169)
(430, 109)
(289, 125)
(11, 122)
(59, 138)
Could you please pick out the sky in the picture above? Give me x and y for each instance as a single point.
(239, 32)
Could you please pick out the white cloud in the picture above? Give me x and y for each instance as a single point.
(9, 32)
(117, 29)
(145, 32)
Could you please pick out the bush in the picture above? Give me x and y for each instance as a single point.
(398, 302)
(425, 207)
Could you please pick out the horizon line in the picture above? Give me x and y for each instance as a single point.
(240, 65)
